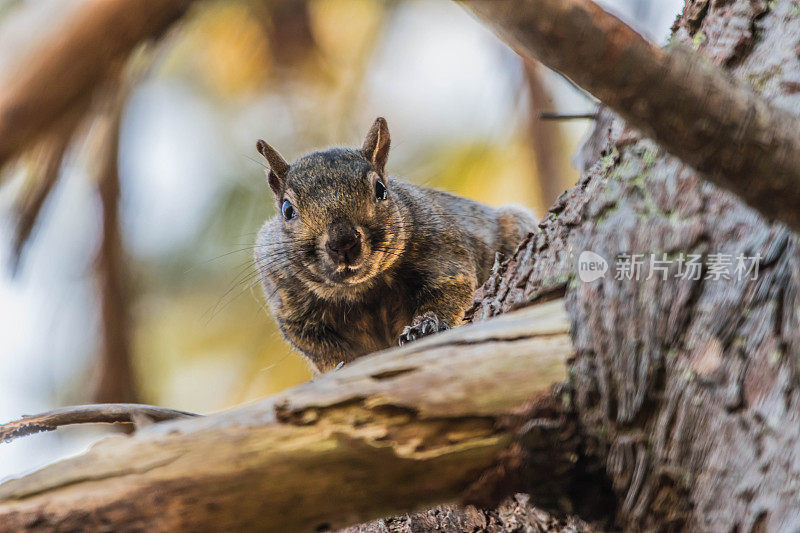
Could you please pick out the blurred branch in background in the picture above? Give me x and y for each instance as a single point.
(290, 34)
(44, 168)
(67, 68)
(547, 138)
(115, 380)
(48, 99)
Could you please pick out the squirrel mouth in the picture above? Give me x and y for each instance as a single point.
(347, 271)
(344, 274)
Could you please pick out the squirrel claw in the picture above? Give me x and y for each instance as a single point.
(422, 326)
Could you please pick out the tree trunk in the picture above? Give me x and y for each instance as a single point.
(687, 389)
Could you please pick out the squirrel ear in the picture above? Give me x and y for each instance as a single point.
(376, 145)
(277, 164)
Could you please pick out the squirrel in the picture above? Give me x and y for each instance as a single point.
(356, 261)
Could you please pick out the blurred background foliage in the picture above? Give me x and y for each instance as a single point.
(158, 300)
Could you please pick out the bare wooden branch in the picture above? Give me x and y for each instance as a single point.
(445, 418)
(553, 115)
(109, 413)
(695, 110)
(64, 72)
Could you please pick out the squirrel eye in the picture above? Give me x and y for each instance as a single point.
(288, 210)
(380, 190)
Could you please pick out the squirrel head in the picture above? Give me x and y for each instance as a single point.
(336, 213)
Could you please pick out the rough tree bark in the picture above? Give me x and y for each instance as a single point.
(686, 391)
(687, 388)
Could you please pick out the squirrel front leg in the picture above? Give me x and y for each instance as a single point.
(318, 342)
(443, 302)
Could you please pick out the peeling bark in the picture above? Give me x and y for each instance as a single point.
(463, 416)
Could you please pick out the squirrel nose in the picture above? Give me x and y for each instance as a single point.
(344, 244)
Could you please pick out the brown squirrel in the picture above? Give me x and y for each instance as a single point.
(356, 261)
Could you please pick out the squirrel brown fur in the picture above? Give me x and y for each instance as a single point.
(355, 261)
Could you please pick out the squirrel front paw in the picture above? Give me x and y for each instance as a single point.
(422, 326)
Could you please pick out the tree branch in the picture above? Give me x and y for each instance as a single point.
(65, 70)
(554, 115)
(695, 110)
(445, 418)
(109, 413)
(29, 203)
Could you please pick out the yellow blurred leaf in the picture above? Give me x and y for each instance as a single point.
(342, 27)
(191, 354)
(494, 174)
(230, 48)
